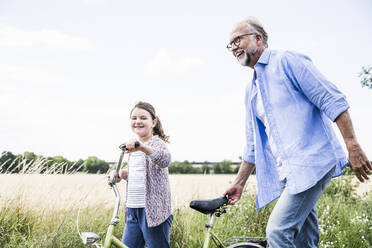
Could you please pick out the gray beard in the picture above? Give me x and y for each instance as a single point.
(246, 60)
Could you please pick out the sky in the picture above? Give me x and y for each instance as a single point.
(71, 71)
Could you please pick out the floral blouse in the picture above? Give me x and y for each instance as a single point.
(157, 189)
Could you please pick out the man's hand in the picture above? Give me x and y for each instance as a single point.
(235, 191)
(359, 162)
(233, 194)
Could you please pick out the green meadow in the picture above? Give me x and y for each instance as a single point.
(50, 221)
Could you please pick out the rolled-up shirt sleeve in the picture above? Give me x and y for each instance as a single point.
(249, 149)
(321, 92)
(248, 154)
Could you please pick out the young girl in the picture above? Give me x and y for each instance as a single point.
(148, 201)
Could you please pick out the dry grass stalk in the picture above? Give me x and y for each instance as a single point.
(40, 165)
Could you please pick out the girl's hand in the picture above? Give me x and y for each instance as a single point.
(123, 174)
(131, 146)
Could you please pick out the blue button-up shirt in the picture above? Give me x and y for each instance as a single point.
(299, 103)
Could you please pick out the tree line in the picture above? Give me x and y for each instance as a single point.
(186, 167)
(29, 162)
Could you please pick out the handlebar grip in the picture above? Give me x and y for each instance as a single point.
(124, 148)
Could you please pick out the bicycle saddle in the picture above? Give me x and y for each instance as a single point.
(208, 206)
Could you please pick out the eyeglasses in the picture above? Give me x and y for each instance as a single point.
(236, 41)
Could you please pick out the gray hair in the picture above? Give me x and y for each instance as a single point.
(254, 26)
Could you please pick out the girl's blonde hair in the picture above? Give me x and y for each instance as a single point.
(158, 129)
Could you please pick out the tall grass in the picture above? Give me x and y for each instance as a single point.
(22, 165)
(344, 221)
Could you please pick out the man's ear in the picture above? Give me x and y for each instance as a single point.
(258, 37)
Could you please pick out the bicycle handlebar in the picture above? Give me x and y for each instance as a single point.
(123, 146)
(114, 174)
(117, 205)
(113, 177)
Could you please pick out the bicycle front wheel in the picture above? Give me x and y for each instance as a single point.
(246, 245)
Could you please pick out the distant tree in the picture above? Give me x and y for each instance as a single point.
(11, 163)
(95, 165)
(223, 167)
(49, 162)
(226, 167)
(59, 159)
(29, 156)
(77, 165)
(196, 170)
(174, 167)
(26, 161)
(64, 162)
(206, 169)
(366, 76)
(187, 167)
(217, 168)
(184, 167)
(6, 160)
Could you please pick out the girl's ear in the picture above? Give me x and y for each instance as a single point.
(154, 122)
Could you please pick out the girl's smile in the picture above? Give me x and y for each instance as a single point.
(142, 124)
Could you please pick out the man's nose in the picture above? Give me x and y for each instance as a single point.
(234, 47)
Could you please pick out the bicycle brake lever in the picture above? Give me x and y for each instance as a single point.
(112, 178)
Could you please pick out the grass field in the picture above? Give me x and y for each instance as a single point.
(58, 192)
(40, 210)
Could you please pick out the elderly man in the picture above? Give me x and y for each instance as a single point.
(289, 137)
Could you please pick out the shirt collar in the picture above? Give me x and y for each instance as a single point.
(265, 56)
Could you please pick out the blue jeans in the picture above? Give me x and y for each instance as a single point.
(294, 220)
(137, 234)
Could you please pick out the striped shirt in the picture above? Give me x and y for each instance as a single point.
(157, 189)
(136, 180)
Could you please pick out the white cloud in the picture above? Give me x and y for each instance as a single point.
(16, 73)
(95, 2)
(162, 63)
(15, 37)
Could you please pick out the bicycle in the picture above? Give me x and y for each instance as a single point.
(214, 207)
(217, 207)
(91, 238)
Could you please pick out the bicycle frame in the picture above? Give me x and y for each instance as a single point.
(110, 238)
(216, 207)
(91, 238)
(210, 234)
(239, 241)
